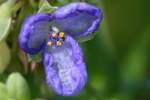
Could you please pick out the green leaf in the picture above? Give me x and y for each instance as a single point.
(63, 1)
(45, 7)
(98, 82)
(135, 63)
(35, 58)
(4, 56)
(5, 18)
(3, 92)
(86, 38)
(17, 87)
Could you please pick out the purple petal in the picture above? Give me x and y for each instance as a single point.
(33, 33)
(77, 19)
(65, 68)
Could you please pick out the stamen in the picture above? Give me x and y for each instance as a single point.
(49, 43)
(55, 29)
(58, 43)
(56, 38)
(61, 34)
(54, 34)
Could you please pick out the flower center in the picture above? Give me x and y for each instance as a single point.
(56, 38)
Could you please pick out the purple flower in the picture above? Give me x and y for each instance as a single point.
(55, 36)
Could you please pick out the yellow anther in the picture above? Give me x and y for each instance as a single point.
(54, 34)
(58, 43)
(61, 34)
(49, 43)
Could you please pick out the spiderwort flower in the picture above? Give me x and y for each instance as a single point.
(55, 36)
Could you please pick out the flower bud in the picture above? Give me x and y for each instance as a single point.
(4, 56)
(17, 87)
(3, 92)
(45, 7)
(5, 18)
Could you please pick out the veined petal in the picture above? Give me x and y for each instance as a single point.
(65, 68)
(77, 19)
(33, 33)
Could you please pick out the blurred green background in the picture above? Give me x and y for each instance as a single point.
(117, 58)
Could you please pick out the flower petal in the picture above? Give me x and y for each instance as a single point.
(65, 68)
(77, 19)
(33, 33)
